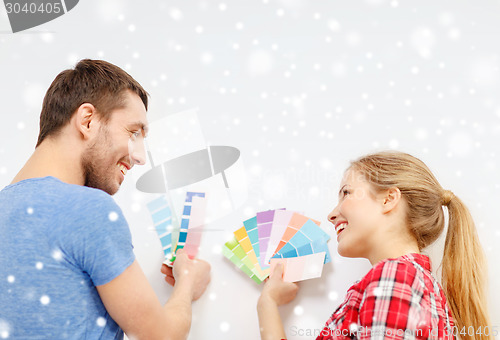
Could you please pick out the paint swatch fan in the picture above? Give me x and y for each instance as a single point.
(279, 236)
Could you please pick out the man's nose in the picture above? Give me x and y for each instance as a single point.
(137, 152)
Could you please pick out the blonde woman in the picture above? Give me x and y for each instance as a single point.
(390, 208)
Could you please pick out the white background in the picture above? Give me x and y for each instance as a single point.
(300, 87)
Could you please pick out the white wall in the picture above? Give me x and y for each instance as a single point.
(300, 87)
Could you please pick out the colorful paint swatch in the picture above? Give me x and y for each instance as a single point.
(280, 223)
(296, 222)
(186, 216)
(302, 267)
(188, 236)
(253, 234)
(264, 225)
(233, 251)
(241, 236)
(196, 223)
(304, 252)
(309, 239)
(162, 220)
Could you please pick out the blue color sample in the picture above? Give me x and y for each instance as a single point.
(309, 239)
(253, 233)
(162, 219)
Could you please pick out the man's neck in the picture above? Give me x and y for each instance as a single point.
(55, 159)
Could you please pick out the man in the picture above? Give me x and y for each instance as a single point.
(67, 269)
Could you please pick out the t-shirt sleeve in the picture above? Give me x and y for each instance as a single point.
(99, 243)
(391, 300)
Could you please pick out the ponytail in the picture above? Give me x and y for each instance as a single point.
(464, 271)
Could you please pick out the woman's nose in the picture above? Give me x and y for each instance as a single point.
(333, 215)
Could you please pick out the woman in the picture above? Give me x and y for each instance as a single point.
(389, 209)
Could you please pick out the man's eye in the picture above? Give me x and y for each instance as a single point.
(135, 134)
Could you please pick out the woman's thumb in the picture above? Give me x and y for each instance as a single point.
(278, 270)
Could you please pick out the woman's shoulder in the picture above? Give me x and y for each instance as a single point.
(404, 269)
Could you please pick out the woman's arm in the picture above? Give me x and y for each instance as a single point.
(276, 292)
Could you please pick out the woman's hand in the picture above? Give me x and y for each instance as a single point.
(276, 290)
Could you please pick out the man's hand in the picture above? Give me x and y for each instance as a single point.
(192, 273)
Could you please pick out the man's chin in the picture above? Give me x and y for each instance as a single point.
(113, 190)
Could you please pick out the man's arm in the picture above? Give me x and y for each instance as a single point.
(132, 303)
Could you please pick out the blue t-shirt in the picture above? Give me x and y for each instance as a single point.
(59, 241)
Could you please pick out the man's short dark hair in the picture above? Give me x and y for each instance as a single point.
(97, 82)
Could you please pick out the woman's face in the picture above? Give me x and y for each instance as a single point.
(357, 216)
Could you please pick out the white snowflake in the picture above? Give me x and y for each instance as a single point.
(260, 62)
(176, 14)
(206, 58)
(101, 322)
(44, 300)
(4, 329)
(333, 295)
(224, 327)
(57, 255)
(298, 310)
(423, 41)
(334, 25)
(113, 216)
(378, 291)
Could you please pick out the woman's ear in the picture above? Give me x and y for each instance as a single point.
(391, 199)
(86, 120)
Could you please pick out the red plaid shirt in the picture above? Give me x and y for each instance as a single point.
(398, 299)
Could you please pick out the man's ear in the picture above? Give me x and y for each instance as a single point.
(86, 120)
(391, 199)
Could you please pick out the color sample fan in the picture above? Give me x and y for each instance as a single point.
(279, 236)
(188, 235)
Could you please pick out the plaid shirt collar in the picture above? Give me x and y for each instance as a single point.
(421, 259)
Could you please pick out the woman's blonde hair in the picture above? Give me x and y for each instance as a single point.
(464, 268)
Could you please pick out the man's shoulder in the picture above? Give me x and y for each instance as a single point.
(53, 187)
(53, 194)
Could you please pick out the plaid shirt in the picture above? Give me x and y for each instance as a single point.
(398, 299)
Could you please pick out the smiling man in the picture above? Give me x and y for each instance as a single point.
(67, 267)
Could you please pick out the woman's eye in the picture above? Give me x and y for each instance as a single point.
(345, 192)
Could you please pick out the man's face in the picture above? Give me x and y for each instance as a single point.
(118, 146)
